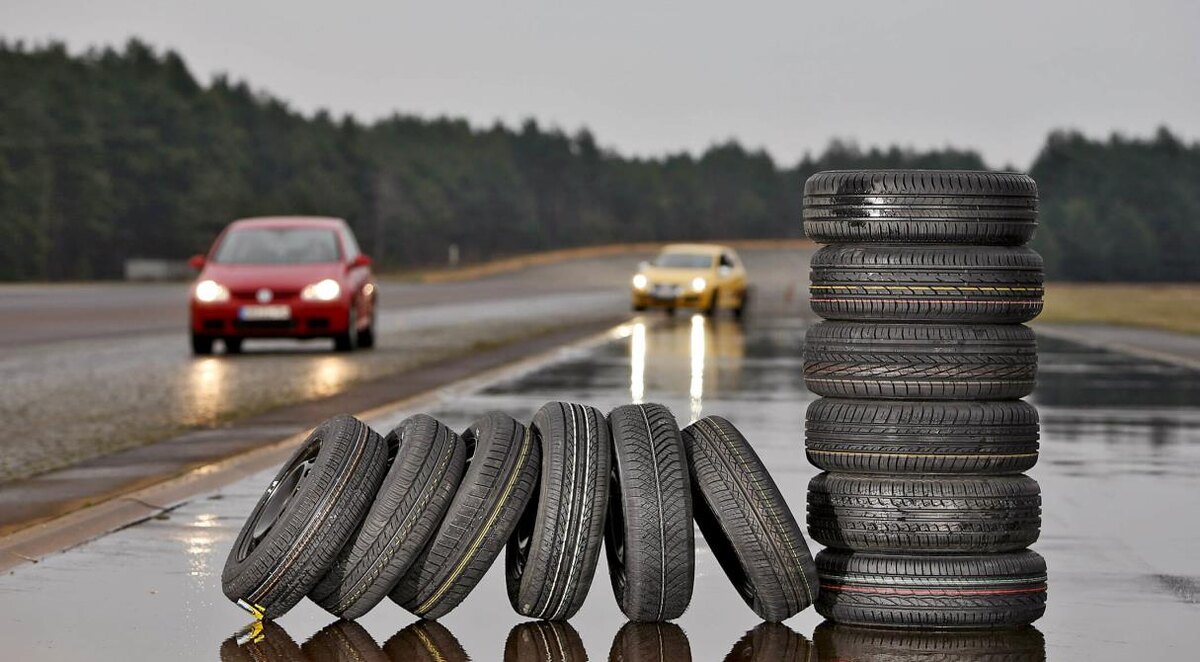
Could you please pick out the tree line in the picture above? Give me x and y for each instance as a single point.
(122, 153)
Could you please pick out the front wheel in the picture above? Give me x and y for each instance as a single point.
(711, 310)
(201, 345)
(346, 342)
(366, 337)
(740, 311)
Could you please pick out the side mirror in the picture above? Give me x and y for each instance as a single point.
(725, 270)
(359, 261)
(196, 262)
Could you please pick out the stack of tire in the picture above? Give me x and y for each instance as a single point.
(924, 281)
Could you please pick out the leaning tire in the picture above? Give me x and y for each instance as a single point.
(426, 465)
(648, 535)
(847, 642)
(920, 361)
(921, 437)
(501, 472)
(909, 591)
(313, 506)
(746, 522)
(552, 556)
(928, 515)
(920, 207)
(924, 283)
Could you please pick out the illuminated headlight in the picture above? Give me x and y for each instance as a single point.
(210, 291)
(698, 284)
(325, 290)
(640, 282)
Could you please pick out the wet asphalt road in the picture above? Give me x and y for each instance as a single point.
(1120, 472)
(93, 369)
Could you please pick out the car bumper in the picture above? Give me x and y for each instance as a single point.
(684, 300)
(305, 320)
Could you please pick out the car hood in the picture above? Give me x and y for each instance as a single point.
(272, 276)
(674, 276)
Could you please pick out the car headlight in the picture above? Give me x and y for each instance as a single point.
(698, 284)
(325, 290)
(640, 282)
(210, 291)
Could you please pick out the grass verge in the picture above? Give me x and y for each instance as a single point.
(1170, 306)
(518, 262)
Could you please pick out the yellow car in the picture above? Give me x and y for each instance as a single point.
(704, 277)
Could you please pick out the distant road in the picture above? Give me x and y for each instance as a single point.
(89, 369)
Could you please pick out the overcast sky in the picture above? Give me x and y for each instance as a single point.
(786, 76)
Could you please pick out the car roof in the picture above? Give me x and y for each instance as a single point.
(710, 249)
(289, 221)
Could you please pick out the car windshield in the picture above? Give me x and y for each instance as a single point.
(684, 261)
(278, 246)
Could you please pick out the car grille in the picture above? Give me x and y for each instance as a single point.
(252, 295)
(263, 324)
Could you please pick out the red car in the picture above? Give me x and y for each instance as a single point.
(283, 277)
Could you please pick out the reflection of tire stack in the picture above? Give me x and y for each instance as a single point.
(921, 431)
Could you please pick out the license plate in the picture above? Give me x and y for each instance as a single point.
(264, 313)
(665, 292)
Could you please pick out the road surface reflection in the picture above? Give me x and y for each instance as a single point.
(546, 641)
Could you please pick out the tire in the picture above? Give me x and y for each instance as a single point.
(552, 555)
(648, 535)
(712, 308)
(366, 337)
(976, 284)
(501, 473)
(348, 341)
(928, 515)
(908, 591)
(343, 641)
(202, 345)
(920, 361)
(746, 522)
(920, 207)
(426, 465)
(850, 643)
(233, 345)
(921, 437)
(261, 640)
(650, 642)
(546, 641)
(425, 641)
(320, 496)
(740, 311)
(771, 642)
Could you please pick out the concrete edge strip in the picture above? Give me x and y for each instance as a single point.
(1120, 347)
(30, 545)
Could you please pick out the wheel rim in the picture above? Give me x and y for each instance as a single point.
(276, 499)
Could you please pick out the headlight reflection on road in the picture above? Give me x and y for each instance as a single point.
(329, 375)
(697, 352)
(637, 362)
(199, 544)
(207, 392)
